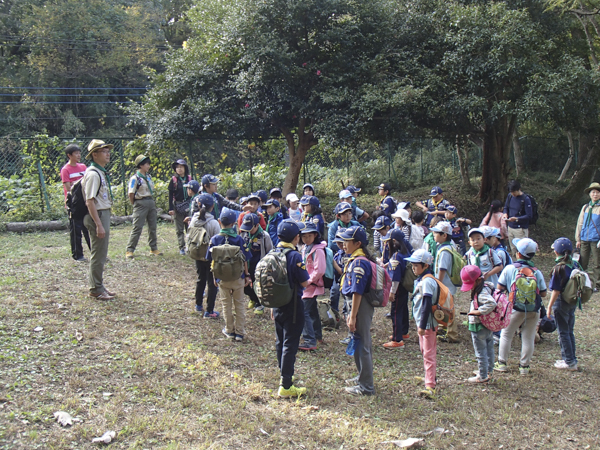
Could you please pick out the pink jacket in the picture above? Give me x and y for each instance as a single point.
(316, 263)
(495, 221)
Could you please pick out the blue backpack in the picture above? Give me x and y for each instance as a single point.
(329, 270)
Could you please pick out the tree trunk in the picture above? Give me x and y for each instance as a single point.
(519, 165)
(582, 178)
(297, 153)
(563, 174)
(497, 143)
(462, 151)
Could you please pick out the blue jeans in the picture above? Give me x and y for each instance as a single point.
(564, 314)
(334, 295)
(483, 343)
(312, 322)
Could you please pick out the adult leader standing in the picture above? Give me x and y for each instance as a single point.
(518, 212)
(98, 199)
(587, 236)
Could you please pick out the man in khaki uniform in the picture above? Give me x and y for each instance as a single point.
(141, 190)
(98, 198)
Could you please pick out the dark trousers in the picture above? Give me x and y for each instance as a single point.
(249, 290)
(399, 313)
(288, 329)
(334, 295)
(312, 321)
(205, 277)
(76, 229)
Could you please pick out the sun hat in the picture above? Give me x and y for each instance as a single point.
(442, 227)
(402, 214)
(97, 144)
(420, 256)
(591, 187)
(180, 162)
(141, 160)
(469, 276)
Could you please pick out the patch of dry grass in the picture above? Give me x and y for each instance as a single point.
(152, 370)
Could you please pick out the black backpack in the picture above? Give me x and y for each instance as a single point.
(535, 215)
(76, 201)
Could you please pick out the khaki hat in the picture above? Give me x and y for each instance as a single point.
(592, 187)
(140, 159)
(97, 144)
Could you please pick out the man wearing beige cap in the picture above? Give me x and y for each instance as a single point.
(98, 199)
(141, 196)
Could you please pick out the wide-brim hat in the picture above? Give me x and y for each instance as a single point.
(591, 187)
(140, 160)
(180, 162)
(97, 144)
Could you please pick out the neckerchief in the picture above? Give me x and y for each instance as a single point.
(588, 217)
(255, 235)
(217, 207)
(478, 253)
(305, 216)
(106, 175)
(143, 177)
(358, 252)
(228, 232)
(286, 245)
(435, 205)
(183, 180)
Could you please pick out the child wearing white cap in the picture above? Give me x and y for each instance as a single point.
(294, 209)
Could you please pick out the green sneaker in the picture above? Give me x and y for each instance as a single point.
(251, 304)
(523, 370)
(259, 310)
(500, 367)
(428, 392)
(293, 391)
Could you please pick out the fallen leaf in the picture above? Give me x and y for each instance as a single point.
(64, 418)
(106, 438)
(407, 443)
(37, 329)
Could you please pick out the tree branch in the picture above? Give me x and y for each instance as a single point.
(289, 138)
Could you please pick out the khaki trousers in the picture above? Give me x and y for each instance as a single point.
(144, 210)
(516, 233)
(99, 250)
(232, 296)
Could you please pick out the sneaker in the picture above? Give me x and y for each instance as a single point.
(259, 310)
(211, 315)
(559, 361)
(251, 304)
(306, 347)
(355, 390)
(564, 366)
(500, 367)
(82, 259)
(352, 381)
(228, 335)
(419, 380)
(394, 344)
(129, 255)
(428, 392)
(476, 379)
(182, 252)
(199, 308)
(293, 391)
(346, 340)
(155, 253)
(406, 336)
(523, 370)
(239, 337)
(388, 316)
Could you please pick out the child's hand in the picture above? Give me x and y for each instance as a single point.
(247, 281)
(420, 331)
(186, 220)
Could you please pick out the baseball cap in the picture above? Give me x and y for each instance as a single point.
(262, 194)
(227, 217)
(253, 196)
(435, 191)
(396, 233)
(382, 222)
(341, 208)
(403, 205)
(275, 190)
(420, 256)
(385, 186)
(206, 199)
(273, 202)
(355, 233)
(243, 200)
(492, 232)
(469, 276)
(310, 200)
(345, 194)
(561, 245)
(304, 200)
(209, 179)
(481, 231)
(452, 209)
(193, 185)
(526, 247)
(309, 186)
(292, 197)
(443, 227)
(287, 230)
(311, 228)
(353, 189)
(249, 222)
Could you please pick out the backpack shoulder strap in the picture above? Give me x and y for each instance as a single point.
(99, 176)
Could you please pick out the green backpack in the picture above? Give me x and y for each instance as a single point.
(408, 279)
(576, 291)
(458, 262)
(271, 283)
(197, 243)
(228, 261)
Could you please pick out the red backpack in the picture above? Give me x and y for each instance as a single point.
(378, 294)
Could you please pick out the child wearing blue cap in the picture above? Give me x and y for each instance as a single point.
(388, 204)
(289, 319)
(339, 261)
(563, 312)
(426, 289)
(204, 219)
(232, 291)
(252, 206)
(209, 186)
(355, 281)
(435, 205)
(381, 226)
(457, 223)
(526, 285)
(259, 244)
(396, 266)
(343, 220)
(274, 218)
(312, 212)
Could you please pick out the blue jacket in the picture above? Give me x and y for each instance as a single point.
(519, 207)
(587, 230)
(272, 224)
(333, 229)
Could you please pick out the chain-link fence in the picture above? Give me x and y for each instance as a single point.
(31, 189)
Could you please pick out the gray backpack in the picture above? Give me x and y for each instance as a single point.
(271, 283)
(228, 261)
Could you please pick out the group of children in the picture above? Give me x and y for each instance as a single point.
(421, 251)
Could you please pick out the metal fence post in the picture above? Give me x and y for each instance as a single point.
(123, 180)
(43, 188)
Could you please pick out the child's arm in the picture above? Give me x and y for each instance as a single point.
(494, 271)
(319, 266)
(425, 312)
(356, 299)
(553, 298)
(337, 268)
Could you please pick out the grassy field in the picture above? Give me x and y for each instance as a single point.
(148, 367)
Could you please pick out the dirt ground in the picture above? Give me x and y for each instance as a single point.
(146, 366)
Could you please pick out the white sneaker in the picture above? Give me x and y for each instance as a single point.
(564, 366)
